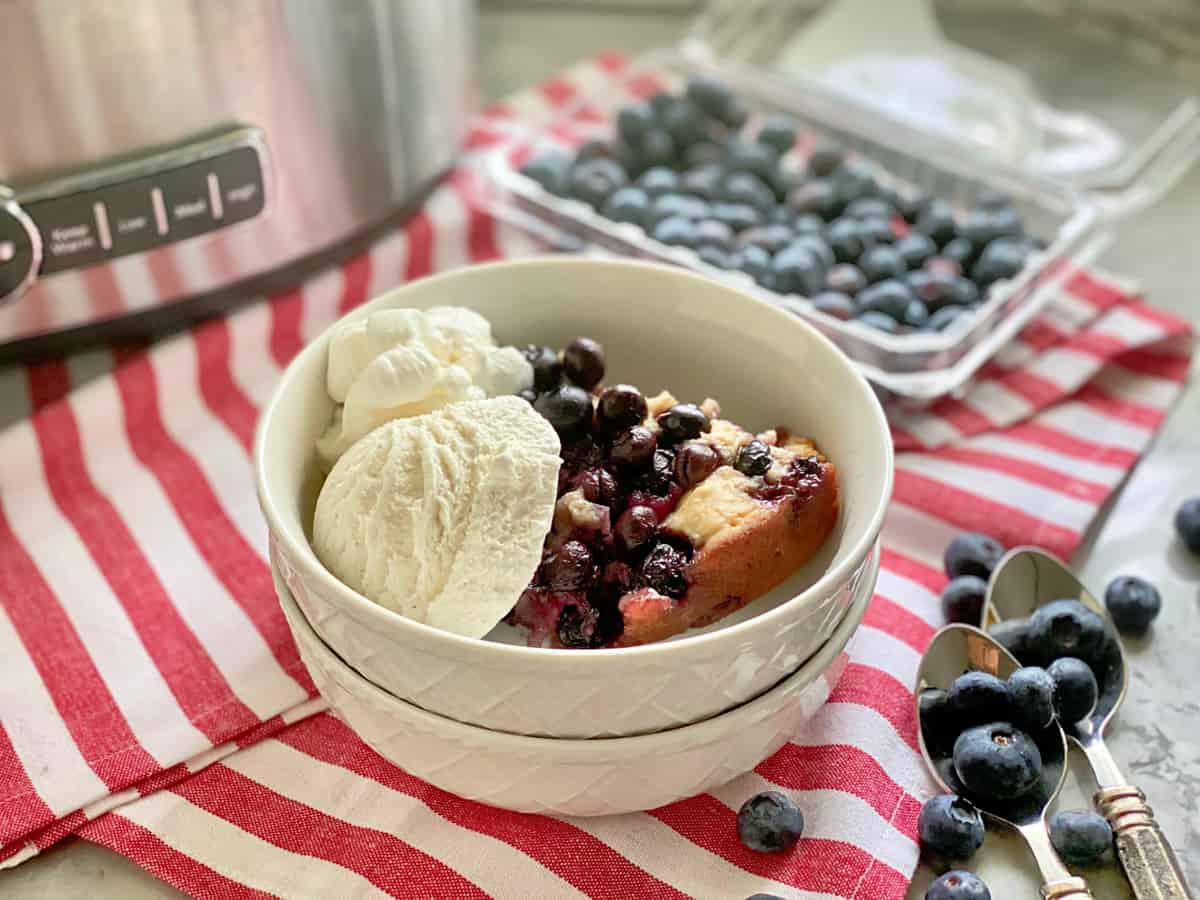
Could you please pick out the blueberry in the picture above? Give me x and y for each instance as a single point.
(659, 477)
(797, 271)
(880, 321)
(1187, 524)
(757, 159)
(915, 249)
(594, 179)
(845, 237)
(971, 553)
(633, 121)
(702, 181)
(778, 133)
(663, 570)
(965, 292)
(695, 461)
(997, 761)
(979, 697)
(635, 527)
(657, 148)
(734, 114)
(1080, 837)
(769, 822)
(826, 158)
(869, 207)
(634, 448)
(629, 158)
(753, 459)
(1066, 628)
(937, 221)
(717, 257)
(962, 599)
(709, 94)
(667, 205)
(834, 303)
(738, 216)
(598, 486)
(703, 154)
(755, 261)
(943, 265)
(881, 262)
(805, 223)
(549, 170)
(990, 198)
(1032, 692)
(936, 289)
(958, 885)
(771, 238)
(782, 180)
(547, 370)
(683, 422)
(762, 896)
(1002, 258)
(938, 723)
(853, 181)
(960, 250)
(747, 188)
(845, 278)
(583, 362)
(1075, 689)
(916, 315)
(566, 407)
(1133, 603)
(570, 568)
(940, 320)
(1013, 636)
(910, 205)
(984, 226)
(661, 102)
(593, 149)
(818, 197)
(686, 124)
(714, 233)
(875, 230)
(890, 297)
(950, 827)
(620, 406)
(628, 204)
(818, 247)
(658, 181)
(675, 230)
(577, 626)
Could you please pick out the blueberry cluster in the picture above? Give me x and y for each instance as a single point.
(689, 172)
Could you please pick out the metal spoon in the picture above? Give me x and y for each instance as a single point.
(960, 648)
(1025, 579)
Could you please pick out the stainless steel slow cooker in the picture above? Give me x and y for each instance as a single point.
(155, 151)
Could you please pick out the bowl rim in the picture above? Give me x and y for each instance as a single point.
(706, 731)
(302, 556)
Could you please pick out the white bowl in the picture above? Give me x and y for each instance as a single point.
(577, 777)
(662, 327)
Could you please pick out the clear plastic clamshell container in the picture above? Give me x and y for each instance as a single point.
(1066, 215)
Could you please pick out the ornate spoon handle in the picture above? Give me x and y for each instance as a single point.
(1147, 857)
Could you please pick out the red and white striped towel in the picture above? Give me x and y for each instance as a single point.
(151, 699)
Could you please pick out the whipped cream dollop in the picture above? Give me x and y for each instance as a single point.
(398, 363)
(441, 517)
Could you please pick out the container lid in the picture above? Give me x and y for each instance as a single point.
(1101, 98)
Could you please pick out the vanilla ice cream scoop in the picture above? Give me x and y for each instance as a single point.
(441, 517)
(397, 363)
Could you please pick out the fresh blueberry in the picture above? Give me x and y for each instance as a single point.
(1013, 636)
(778, 133)
(991, 198)
(1075, 689)
(940, 320)
(845, 237)
(570, 568)
(1002, 258)
(686, 124)
(881, 262)
(854, 180)
(566, 407)
(971, 553)
(958, 885)
(910, 204)
(593, 149)
(738, 216)
(915, 249)
(783, 179)
(734, 115)
(753, 459)
(710, 94)
(950, 827)
(757, 159)
(629, 158)
(916, 314)
(683, 422)
(936, 289)
(549, 170)
(962, 599)
(704, 153)
(714, 233)
(593, 180)
(1066, 628)
(747, 188)
(755, 261)
(817, 246)
(868, 208)
(875, 230)
(635, 527)
(966, 293)
(771, 238)
(657, 148)
(826, 158)
(659, 477)
(769, 822)
(834, 303)
(1187, 524)
(584, 362)
(845, 278)
(695, 461)
(718, 257)
(1032, 692)
(598, 486)
(997, 761)
(658, 181)
(634, 448)
(984, 226)
(620, 406)
(891, 297)
(1133, 603)
(943, 265)
(628, 204)
(667, 205)
(960, 250)
(978, 697)
(702, 181)
(675, 230)
(1080, 837)
(633, 121)
(937, 221)
(663, 570)
(804, 223)
(547, 370)
(939, 726)
(880, 321)
(818, 197)
(797, 271)
(577, 626)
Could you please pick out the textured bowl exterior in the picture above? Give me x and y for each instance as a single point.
(573, 777)
(653, 692)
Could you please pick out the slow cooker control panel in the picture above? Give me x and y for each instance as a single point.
(140, 204)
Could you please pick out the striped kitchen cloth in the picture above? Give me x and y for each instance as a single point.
(152, 701)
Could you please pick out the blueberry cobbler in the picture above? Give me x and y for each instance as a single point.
(668, 516)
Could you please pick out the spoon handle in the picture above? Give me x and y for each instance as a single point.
(1057, 881)
(1147, 857)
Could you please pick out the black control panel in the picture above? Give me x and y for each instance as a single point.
(135, 214)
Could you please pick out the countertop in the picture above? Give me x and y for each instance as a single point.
(1156, 738)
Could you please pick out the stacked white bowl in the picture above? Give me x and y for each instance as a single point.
(574, 731)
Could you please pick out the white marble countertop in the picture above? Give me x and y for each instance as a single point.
(1156, 738)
